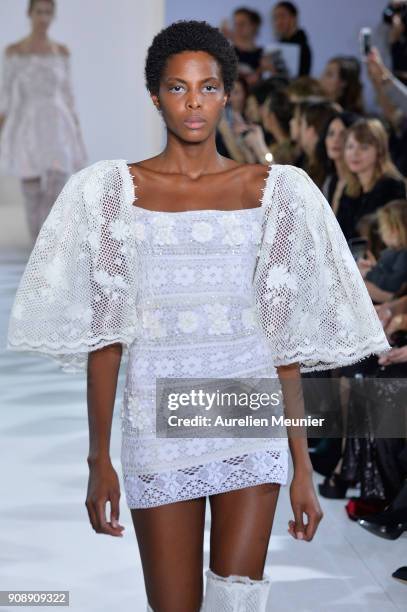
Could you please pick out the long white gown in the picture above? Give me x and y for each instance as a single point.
(193, 294)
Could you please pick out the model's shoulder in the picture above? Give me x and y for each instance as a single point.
(62, 49)
(15, 48)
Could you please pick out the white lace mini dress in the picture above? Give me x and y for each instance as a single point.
(193, 294)
(41, 131)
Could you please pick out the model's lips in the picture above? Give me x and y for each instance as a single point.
(195, 123)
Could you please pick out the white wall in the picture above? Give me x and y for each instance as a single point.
(333, 25)
(108, 41)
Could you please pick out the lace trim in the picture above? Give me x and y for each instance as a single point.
(339, 359)
(149, 490)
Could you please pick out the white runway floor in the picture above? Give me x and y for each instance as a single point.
(46, 541)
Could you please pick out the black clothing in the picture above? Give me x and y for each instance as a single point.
(249, 58)
(398, 51)
(351, 210)
(390, 272)
(300, 38)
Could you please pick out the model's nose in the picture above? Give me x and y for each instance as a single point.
(193, 100)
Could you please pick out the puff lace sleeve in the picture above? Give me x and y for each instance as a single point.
(78, 292)
(310, 297)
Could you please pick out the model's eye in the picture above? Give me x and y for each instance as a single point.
(176, 88)
(210, 88)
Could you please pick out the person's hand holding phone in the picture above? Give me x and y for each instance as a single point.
(377, 71)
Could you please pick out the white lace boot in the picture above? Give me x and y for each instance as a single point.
(235, 593)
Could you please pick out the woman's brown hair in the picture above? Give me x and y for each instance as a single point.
(32, 4)
(371, 132)
(351, 98)
(393, 216)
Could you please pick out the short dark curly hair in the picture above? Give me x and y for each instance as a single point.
(189, 36)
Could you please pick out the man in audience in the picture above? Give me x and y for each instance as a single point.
(285, 22)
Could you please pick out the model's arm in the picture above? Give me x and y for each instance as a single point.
(302, 493)
(103, 486)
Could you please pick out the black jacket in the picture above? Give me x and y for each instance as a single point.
(300, 38)
(351, 210)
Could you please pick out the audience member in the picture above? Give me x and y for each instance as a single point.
(341, 83)
(246, 25)
(391, 95)
(276, 116)
(385, 276)
(228, 137)
(313, 118)
(305, 88)
(372, 178)
(329, 156)
(285, 23)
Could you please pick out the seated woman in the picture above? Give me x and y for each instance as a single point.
(372, 178)
(277, 112)
(314, 118)
(233, 123)
(385, 276)
(329, 154)
(341, 83)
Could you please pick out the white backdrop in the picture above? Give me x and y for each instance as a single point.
(108, 41)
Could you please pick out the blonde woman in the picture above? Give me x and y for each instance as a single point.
(385, 276)
(372, 179)
(40, 138)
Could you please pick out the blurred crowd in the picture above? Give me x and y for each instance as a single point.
(359, 161)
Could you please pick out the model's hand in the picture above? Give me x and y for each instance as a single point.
(304, 500)
(103, 486)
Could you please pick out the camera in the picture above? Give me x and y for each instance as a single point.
(395, 9)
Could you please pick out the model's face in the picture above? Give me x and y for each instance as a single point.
(191, 95)
(359, 157)
(42, 15)
(331, 82)
(283, 22)
(335, 139)
(243, 27)
(237, 97)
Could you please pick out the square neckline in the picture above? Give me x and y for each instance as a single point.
(133, 190)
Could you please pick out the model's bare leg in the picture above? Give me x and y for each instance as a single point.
(31, 189)
(170, 539)
(241, 526)
(240, 533)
